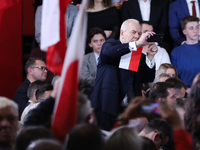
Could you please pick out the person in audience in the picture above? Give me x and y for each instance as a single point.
(38, 91)
(158, 131)
(113, 83)
(161, 56)
(163, 77)
(185, 57)
(35, 70)
(163, 91)
(95, 39)
(179, 86)
(166, 68)
(148, 144)
(125, 138)
(84, 136)
(8, 123)
(177, 11)
(154, 11)
(29, 134)
(45, 144)
(180, 107)
(102, 14)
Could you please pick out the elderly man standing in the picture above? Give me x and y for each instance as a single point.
(36, 70)
(8, 123)
(113, 83)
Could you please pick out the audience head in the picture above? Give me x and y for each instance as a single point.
(179, 86)
(190, 26)
(138, 124)
(163, 77)
(96, 38)
(32, 89)
(148, 144)
(85, 136)
(158, 131)
(130, 31)
(168, 69)
(8, 121)
(105, 3)
(29, 134)
(163, 91)
(146, 26)
(36, 69)
(125, 138)
(43, 92)
(45, 144)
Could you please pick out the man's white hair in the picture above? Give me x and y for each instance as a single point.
(124, 25)
(5, 102)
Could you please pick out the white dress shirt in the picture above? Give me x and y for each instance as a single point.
(145, 8)
(190, 7)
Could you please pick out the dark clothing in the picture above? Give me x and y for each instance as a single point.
(5, 147)
(113, 83)
(21, 97)
(41, 115)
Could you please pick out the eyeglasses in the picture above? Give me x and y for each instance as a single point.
(41, 68)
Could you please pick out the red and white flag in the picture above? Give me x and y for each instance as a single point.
(53, 38)
(65, 111)
(131, 60)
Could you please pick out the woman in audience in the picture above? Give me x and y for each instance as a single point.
(167, 69)
(102, 15)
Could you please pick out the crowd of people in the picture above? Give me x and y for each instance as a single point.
(134, 94)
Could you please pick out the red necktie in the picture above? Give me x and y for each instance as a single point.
(193, 8)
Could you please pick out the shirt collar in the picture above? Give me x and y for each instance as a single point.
(188, 1)
(143, 1)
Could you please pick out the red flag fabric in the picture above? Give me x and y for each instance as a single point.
(131, 60)
(65, 111)
(53, 38)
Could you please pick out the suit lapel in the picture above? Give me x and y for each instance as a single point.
(92, 61)
(184, 6)
(136, 10)
(153, 9)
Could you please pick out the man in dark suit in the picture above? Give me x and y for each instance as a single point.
(36, 70)
(177, 11)
(113, 83)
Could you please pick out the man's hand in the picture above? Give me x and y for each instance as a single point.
(55, 88)
(151, 51)
(143, 39)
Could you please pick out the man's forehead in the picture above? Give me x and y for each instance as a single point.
(192, 23)
(40, 62)
(134, 26)
(8, 111)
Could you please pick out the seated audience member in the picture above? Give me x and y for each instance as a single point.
(36, 70)
(45, 144)
(86, 137)
(186, 57)
(148, 144)
(105, 16)
(158, 131)
(29, 134)
(123, 138)
(163, 77)
(166, 68)
(179, 86)
(161, 56)
(8, 123)
(163, 91)
(177, 11)
(39, 91)
(95, 39)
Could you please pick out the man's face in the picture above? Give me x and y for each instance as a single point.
(8, 125)
(192, 31)
(180, 93)
(171, 96)
(132, 33)
(97, 42)
(38, 73)
(146, 28)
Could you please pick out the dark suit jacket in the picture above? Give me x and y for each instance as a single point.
(20, 96)
(158, 13)
(177, 11)
(113, 83)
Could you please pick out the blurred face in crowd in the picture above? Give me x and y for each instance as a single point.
(171, 72)
(131, 33)
(171, 96)
(38, 71)
(191, 31)
(8, 125)
(97, 42)
(146, 28)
